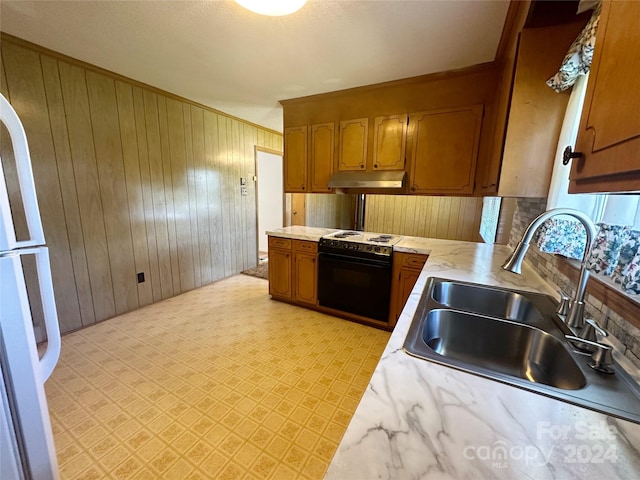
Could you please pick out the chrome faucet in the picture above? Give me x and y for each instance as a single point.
(575, 317)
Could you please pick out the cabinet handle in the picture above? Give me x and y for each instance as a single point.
(568, 154)
(413, 189)
(375, 165)
(361, 166)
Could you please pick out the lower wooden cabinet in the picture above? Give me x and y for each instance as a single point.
(293, 275)
(305, 272)
(405, 273)
(293, 270)
(280, 260)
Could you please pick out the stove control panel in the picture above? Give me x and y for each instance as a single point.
(385, 250)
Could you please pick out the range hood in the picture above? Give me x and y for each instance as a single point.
(386, 179)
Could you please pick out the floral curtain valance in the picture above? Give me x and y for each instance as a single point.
(562, 237)
(615, 252)
(577, 61)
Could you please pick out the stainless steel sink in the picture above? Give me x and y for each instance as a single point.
(514, 337)
(505, 347)
(486, 300)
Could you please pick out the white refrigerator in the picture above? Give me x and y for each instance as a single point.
(26, 440)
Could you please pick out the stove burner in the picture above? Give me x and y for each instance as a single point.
(346, 234)
(381, 239)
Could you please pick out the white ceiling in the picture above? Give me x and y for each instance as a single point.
(216, 53)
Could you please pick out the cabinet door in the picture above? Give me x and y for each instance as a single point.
(280, 273)
(406, 270)
(536, 112)
(295, 159)
(609, 133)
(322, 149)
(354, 135)
(444, 150)
(390, 135)
(306, 278)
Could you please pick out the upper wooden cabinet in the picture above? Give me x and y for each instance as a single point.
(536, 112)
(390, 136)
(308, 158)
(387, 151)
(354, 135)
(372, 128)
(321, 156)
(443, 150)
(295, 159)
(609, 132)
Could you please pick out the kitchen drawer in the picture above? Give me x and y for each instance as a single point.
(282, 243)
(411, 261)
(305, 246)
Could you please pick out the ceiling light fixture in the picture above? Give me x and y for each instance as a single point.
(273, 8)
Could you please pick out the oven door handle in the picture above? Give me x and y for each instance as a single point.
(349, 259)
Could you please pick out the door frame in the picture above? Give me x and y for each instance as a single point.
(257, 149)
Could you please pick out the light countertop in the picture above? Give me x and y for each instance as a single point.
(418, 419)
(298, 232)
(407, 244)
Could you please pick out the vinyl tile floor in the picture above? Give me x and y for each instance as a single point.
(217, 383)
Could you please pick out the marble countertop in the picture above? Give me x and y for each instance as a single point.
(298, 232)
(418, 419)
(407, 244)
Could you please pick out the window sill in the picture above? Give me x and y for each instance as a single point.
(605, 290)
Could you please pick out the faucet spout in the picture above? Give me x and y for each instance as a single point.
(575, 317)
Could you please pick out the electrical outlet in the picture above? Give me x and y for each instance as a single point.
(140, 277)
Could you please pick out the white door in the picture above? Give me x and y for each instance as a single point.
(270, 195)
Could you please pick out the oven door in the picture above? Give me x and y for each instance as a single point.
(355, 285)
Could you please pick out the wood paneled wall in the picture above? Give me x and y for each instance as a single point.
(451, 218)
(330, 211)
(130, 179)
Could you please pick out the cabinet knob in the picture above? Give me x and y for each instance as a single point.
(413, 189)
(362, 166)
(568, 154)
(375, 165)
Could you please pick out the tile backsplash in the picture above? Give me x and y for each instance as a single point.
(546, 265)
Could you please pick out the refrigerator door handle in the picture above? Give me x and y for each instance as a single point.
(8, 239)
(52, 353)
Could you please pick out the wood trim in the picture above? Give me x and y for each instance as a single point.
(614, 299)
(268, 150)
(256, 149)
(354, 318)
(625, 182)
(5, 37)
(461, 72)
(513, 23)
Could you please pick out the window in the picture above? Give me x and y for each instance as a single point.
(615, 252)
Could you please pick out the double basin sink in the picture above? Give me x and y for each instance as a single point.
(514, 337)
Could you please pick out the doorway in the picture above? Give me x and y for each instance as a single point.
(269, 196)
